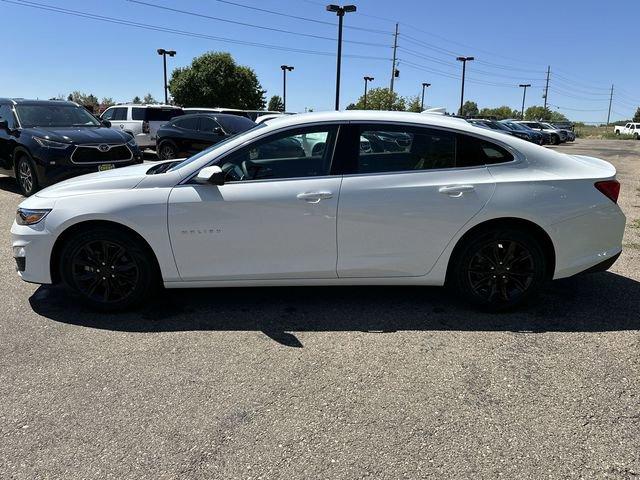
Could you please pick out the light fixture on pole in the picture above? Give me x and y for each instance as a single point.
(524, 95)
(464, 61)
(366, 80)
(424, 85)
(339, 11)
(284, 68)
(164, 53)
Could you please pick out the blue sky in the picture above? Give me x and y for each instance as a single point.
(588, 45)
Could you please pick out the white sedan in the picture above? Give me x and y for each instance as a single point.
(491, 215)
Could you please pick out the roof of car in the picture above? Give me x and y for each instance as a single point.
(27, 101)
(142, 105)
(212, 115)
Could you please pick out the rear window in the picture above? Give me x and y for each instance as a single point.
(159, 114)
(235, 124)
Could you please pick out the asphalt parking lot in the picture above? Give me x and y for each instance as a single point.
(331, 383)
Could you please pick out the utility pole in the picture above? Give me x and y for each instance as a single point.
(610, 102)
(524, 95)
(366, 80)
(546, 88)
(393, 65)
(424, 85)
(464, 61)
(164, 53)
(285, 69)
(339, 11)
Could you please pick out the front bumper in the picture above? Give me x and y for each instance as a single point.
(32, 247)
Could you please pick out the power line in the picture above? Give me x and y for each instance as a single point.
(251, 25)
(185, 33)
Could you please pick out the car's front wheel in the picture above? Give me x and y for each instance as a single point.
(167, 151)
(499, 269)
(110, 269)
(26, 176)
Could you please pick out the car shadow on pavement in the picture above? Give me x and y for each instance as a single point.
(8, 184)
(588, 303)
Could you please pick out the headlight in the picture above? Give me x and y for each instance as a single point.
(43, 142)
(27, 216)
(132, 143)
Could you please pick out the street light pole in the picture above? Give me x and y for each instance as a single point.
(464, 61)
(284, 68)
(424, 85)
(339, 11)
(524, 95)
(366, 80)
(164, 53)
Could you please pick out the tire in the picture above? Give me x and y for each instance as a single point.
(617, 132)
(26, 176)
(109, 269)
(555, 140)
(500, 269)
(167, 151)
(635, 135)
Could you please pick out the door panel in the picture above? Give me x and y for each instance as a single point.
(398, 224)
(256, 229)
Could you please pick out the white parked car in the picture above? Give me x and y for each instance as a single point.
(141, 121)
(492, 215)
(629, 129)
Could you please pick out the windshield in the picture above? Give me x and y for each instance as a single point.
(187, 161)
(55, 116)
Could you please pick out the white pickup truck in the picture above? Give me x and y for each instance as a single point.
(629, 129)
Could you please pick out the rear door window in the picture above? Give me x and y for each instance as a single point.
(190, 123)
(162, 114)
(137, 113)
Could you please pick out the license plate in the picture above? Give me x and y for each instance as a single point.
(106, 166)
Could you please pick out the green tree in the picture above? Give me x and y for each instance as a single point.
(107, 102)
(89, 101)
(500, 113)
(379, 99)
(469, 109)
(636, 117)
(149, 100)
(216, 80)
(276, 104)
(540, 113)
(413, 104)
(136, 100)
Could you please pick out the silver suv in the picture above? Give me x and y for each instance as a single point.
(141, 121)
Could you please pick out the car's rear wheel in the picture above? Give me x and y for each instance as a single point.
(167, 151)
(110, 269)
(26, 176)
(500, 269)
(635, 135)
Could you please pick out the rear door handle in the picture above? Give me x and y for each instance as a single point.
(314, 197)
(456, 190)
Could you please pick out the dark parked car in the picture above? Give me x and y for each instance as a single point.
(190, 134)
(46, 141)
(501, 127)
(540, 138)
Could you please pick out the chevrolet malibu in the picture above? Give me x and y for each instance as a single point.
(493, 216)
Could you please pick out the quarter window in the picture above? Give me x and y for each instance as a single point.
(297, 153)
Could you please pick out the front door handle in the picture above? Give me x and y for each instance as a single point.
(456, 190)
(314, 197)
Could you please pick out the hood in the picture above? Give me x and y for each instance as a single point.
(80, 134)
(124, 178)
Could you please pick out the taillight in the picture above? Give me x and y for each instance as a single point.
(610, 188)
(145, 127)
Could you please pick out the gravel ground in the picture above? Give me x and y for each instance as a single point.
(331, 383)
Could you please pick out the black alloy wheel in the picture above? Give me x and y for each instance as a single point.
(26, 176)
(108, 268)
(500, 270)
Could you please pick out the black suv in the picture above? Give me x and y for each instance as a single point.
(46, 141)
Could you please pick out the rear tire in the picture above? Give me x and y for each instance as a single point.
(26, 176)
(635, 135)
(109, 269)
(167, 151)
(499, 269)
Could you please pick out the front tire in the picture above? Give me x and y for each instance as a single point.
(555, 140)
(26, 176)
(167, 151)
(499, 269)
(110, 269)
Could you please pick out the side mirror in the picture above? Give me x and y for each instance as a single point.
(4, 124)
(212, 174)
(106, 123)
